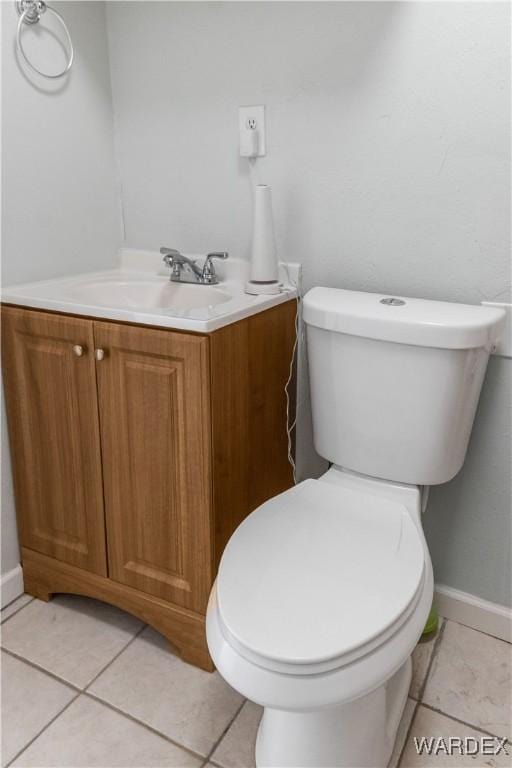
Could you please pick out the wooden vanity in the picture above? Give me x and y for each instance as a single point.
(137, 451)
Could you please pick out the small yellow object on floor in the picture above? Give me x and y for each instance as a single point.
(432, 623)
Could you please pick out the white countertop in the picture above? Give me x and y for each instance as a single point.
(109, 294)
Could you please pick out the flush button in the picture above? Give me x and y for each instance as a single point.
(393, 302)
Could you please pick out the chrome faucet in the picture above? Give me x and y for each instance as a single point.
(185, 270)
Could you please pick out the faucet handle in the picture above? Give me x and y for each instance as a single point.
(169, 254)
(209, 275)
(218, 255)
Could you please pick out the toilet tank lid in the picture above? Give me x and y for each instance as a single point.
(403, 320)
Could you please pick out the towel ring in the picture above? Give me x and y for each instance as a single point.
(30, 12)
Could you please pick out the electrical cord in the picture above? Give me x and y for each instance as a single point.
(291, 427)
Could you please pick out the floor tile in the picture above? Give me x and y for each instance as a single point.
(470, 679)
(73, 637)
(186, 704)
(403, 729)
(14, 606)
(433, 724)
(236, 750)
(30, 699)
(90, 735)
(420, 661)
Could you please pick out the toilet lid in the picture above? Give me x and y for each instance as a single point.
(317, 572)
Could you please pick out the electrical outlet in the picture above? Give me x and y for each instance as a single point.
(253, 119)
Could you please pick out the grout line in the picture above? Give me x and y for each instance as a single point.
(408, 734)
(63, 680)
(148, 727)
(424, 685)
(47, 672)
(226, 729)
(3, 621)
(28, 744)
(78, 691)
(123, 649)
(85, 692)
(435, 649)
(480, 631)
(462, 722)
(421, 703)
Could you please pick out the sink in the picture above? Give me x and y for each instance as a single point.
(156, 293)
(139, 291)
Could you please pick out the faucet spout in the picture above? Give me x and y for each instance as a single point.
(176, 261)
(193, 274)
(184, 261)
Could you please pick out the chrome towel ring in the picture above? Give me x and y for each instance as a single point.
(30, 12)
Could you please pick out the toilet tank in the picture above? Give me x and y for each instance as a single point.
(395, 382)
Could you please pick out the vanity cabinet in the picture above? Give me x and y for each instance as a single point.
(137, 451)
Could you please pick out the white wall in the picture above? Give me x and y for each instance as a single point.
(10, 556)
(60, 211)
(388, 154)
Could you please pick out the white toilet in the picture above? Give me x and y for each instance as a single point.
(323, 591)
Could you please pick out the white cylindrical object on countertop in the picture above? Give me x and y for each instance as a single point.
(264, 255)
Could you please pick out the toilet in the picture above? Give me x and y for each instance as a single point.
(323, 591)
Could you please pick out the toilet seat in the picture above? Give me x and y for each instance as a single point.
(318, 576)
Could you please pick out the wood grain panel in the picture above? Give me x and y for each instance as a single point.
(54, 433)
(155, 427)
(250, 363)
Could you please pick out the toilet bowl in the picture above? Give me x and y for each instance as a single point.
(331, 670)
(323, 591)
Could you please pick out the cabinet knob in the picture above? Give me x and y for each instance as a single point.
(78, 350)
(99, 354)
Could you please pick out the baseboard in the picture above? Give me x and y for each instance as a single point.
(11, 585)
(491, 618)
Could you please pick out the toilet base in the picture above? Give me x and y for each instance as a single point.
(358, 734)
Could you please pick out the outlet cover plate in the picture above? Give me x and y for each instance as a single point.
(257, 114)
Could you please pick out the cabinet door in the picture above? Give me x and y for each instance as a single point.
(55, 444)
(155, 429)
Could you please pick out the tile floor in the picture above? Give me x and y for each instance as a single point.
(86, 685)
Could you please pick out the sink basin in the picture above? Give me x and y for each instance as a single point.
(139, 291)
(157, 293)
